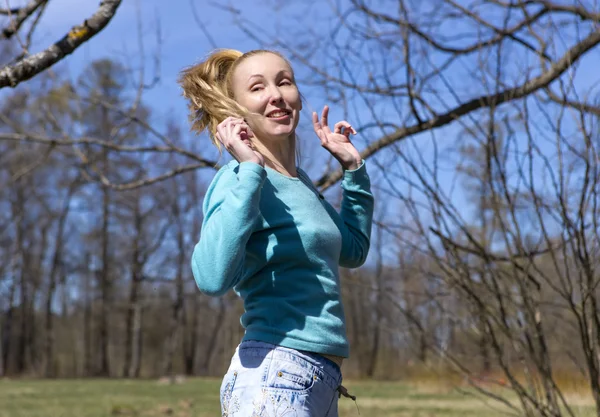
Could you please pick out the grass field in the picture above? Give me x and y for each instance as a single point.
(199, 398)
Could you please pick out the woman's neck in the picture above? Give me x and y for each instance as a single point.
(280, 155)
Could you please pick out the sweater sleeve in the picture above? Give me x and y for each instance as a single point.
(230, 208)
(357, 215)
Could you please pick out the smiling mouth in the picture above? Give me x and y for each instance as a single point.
(278, 114)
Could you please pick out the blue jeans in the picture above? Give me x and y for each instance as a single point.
(266, 380)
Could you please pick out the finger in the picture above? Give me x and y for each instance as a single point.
(218, 137)
(230, 121)
(343, 124)
(225, 122)
(322, 136)
(226, 132)
(221, 133)
(240, 131)
(231, 125)
(236, 130)
(245, 132)
(324, 116)
(315, 120)
(223, 127)
(248, 143)
(236, 136)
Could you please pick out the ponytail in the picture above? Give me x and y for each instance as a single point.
(207, 87)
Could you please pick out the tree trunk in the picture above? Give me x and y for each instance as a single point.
(18, 267)
(378, 306)
(192, 333)
(178, 304)
(88, 364)
(191, 338)
(422, 347)
(56, 260)
(484, 344)
(8, 326)
(132, 303)
(137, 341)
(212, 344)
(104, 288)
(1, 344)
(24, 324)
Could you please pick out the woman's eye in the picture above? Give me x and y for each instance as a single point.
(256, 88)
(286, 83)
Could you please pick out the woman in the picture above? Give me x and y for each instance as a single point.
(268, 234)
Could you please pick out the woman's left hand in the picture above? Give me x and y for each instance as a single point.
(337, 142)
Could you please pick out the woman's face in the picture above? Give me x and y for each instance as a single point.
(265, 85)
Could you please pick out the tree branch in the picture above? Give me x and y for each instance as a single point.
(553, 7)
(585, 107)
(32, 65)
(8, 12)
(20, 15)
(499, 37)
(32, 137)
(505, 96)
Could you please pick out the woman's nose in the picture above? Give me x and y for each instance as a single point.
(275, 96)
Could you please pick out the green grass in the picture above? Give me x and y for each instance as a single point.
(101, 398)
(199, 398)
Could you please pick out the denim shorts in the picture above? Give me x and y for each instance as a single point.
(266, 380)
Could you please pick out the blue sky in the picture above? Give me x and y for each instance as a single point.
(183, 43)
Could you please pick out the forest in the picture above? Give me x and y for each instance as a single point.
(480, 122)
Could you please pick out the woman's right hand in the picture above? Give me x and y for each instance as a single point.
(234, 133)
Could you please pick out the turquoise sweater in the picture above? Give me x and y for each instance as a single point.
(278, 243)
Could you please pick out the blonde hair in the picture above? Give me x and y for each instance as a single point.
(207, 87)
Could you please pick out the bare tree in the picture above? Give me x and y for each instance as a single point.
(480, 145)
(501, 74)
(53, 278)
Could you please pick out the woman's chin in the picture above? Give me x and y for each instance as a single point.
(279, 133)
(281, 128)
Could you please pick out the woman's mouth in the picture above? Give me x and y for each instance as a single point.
(279, 114)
